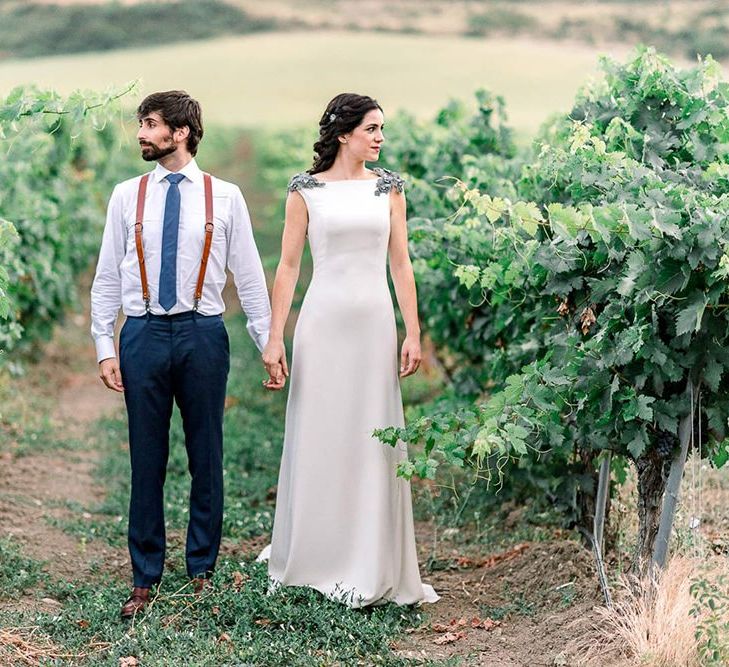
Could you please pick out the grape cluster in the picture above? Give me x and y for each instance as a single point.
(666, 444)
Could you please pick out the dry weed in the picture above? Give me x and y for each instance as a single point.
(660, 621)
(27, 646)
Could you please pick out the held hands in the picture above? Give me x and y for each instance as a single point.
(274, 359)
(110, 374)
(410, 356)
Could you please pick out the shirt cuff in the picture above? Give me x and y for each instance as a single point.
(259, 331)
(105, 348)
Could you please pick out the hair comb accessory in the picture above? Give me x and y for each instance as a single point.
(332, 117)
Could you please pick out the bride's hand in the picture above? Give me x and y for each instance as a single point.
(274, 360)
(410, 356)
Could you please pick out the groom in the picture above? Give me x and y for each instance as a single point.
(168, 238)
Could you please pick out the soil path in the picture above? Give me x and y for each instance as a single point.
(50, 483)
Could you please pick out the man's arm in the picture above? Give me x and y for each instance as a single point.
(245, 264)
(106, 292)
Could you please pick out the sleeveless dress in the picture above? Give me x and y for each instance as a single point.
(343, 523)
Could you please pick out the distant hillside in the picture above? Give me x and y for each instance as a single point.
(680, 27)
(34, 29)
(46, 27)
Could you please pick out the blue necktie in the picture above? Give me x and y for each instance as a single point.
(168, 269)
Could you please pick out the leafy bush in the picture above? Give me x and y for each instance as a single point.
(588, 304)
(8, 241)
(55, 174)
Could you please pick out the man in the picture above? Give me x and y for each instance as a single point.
(168, 238)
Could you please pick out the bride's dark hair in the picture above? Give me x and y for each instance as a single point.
(342, 115)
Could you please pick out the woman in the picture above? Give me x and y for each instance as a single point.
(343, 522)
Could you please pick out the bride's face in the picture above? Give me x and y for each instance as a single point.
(365, 140)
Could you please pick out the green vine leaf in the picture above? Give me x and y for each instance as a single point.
(689, 318)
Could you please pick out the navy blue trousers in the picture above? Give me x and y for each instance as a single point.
(184, 358)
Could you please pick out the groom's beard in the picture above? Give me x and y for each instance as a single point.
(152, 152)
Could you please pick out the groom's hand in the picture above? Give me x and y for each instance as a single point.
(110, 374)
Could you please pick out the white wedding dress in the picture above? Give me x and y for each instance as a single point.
(343, 522)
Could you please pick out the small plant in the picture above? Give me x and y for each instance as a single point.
(711, 609)
(517, 605)
(18, 573)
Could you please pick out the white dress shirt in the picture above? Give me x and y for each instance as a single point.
(118, 283)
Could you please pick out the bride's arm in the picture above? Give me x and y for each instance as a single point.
(401, 270)
(287, 273)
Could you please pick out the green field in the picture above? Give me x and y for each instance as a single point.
(277, 80)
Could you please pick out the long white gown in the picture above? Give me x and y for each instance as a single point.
(343, 523)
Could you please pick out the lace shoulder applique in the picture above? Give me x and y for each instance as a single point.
(303, 180)
(387, 181)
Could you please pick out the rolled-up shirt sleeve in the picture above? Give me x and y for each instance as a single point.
(106, 290)
(245, 264)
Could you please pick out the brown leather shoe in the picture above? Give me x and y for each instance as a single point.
(201, 585)
(136, 602)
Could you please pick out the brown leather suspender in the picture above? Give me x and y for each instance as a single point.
(208, 239)
(141, 194)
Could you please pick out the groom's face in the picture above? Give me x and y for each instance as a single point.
(156, 138)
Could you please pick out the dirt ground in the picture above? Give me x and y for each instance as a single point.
(549, 585)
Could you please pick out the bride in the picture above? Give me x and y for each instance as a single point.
(343, 523)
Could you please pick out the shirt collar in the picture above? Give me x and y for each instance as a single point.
(190, 171)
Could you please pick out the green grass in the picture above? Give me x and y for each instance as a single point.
(235, 622)
(18, 574)
(279, 80)
(500, 19)
(27, 425)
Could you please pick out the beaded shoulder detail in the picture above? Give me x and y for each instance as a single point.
(303, 180)
(387, 181)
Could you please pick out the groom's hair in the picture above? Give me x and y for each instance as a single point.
(177, 109)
